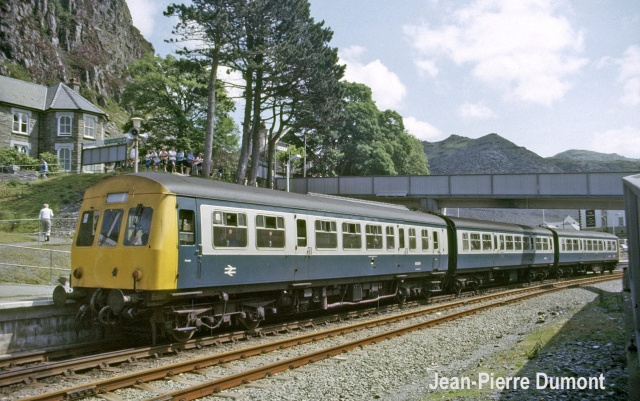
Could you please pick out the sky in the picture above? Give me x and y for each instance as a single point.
(547, 75)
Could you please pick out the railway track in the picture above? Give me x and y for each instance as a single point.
(192, 390)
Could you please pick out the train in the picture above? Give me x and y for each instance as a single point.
(178, 254)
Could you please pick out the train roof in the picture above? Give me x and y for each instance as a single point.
(584, 234)
(496, 226)
(212, 189)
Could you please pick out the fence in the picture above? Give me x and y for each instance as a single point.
(61, 227)
(24, 264)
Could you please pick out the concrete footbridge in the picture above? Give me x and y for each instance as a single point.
(431, 193)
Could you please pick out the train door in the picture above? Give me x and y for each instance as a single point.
(189, 254)
(438, 247)
(303, 250)
(403, 250)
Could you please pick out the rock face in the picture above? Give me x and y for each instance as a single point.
(51, 41)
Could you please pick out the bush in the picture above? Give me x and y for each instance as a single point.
(11, 156)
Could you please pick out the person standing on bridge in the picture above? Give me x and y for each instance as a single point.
(45, 217)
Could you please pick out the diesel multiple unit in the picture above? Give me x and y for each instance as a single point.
(182, 254)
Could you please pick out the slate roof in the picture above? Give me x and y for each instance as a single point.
(39, 97)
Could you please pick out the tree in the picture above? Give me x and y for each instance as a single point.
(173, 96)
(211, 23)
(366, 141)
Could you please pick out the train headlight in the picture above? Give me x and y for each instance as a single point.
(77, 273)
(137, 274)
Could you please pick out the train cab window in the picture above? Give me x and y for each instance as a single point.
(110, 230)
(351, 237)
(373, 236)
(270, 232)
(465, 241)
(229, 230)
(301, 228)
(425, 240)
(435, 241)
(186, 227)
(413, 243)
(326, 234)
(517, 243)
(486, 242)
(391, 237)
(87, 228)
(400, 238)
(138, 226)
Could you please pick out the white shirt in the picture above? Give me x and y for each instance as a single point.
(46, 213)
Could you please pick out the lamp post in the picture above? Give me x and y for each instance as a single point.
(292, 158)
(134, 132)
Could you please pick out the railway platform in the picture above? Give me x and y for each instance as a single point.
(25, 295)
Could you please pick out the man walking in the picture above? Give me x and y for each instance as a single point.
(44, 167)
(45, 217)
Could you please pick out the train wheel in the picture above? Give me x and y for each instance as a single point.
(179, 336)
(249, 323)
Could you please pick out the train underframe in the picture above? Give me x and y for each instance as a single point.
(178, 320)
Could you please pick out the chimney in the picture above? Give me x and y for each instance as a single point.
(75, 85)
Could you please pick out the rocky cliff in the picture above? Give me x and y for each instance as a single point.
(50, 41)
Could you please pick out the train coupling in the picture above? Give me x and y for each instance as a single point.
(63, 293)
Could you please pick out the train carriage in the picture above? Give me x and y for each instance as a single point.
(187, 253)
(582, 251)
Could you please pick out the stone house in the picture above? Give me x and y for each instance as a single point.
(35, 119)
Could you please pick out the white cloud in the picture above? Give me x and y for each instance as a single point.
(387, 89)
(524, 48)
(422, 130)
(428, 66)
(144, 14)
(630, 75)
(624, 141)
(468, 110)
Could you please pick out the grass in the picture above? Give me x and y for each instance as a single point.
(32, 263)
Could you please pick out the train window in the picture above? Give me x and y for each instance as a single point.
(509, 241)
(600, 245)
(400, 238)
(413, 243)
(186, 227)
(391, 238)
(486, 242)
(465, 241)
(589, 245)
(425, 240)
(326, 234)
(475, 242)
(270, 232)
(138, 226)
(301, 228)
(435, 241)
(502, 243)
(576, 244)
(229, 230)
(517, 242)
(545, 244)
(87, 228)
(351, 236)
(567, 245)
(374, 236)
(110, 230)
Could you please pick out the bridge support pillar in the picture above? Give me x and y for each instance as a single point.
(429, 206)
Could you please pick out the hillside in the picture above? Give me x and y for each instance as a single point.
(492, 154)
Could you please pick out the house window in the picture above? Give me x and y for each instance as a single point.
(90, 123)
(20, 121)
(65, 121)
(22, 147)
(65, 154)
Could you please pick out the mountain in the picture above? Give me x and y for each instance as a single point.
(52, 41)
(586, 160)
(492, 154)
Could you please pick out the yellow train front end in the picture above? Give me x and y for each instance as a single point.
(125, 244)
